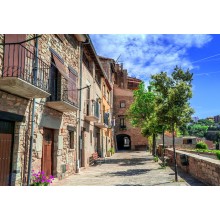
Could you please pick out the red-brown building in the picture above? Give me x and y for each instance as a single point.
(127, 137)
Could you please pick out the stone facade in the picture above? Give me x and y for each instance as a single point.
(63, 157)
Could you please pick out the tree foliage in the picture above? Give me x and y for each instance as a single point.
(174, 93)
(197, 130)
(142, 113)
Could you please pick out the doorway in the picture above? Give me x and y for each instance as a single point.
(123, 142)
(47, 154)
(6, 150)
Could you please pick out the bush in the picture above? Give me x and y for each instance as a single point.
(201, 145)
(218, 155)
(112, 150)
(155, 158)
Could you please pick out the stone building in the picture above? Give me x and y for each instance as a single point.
(55, 78)
(94, 116)
(39, 74)
(107, 102)
(127, 137)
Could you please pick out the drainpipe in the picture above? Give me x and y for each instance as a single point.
(32, 116)
(80, 109)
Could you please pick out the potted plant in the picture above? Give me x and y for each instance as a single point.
(156, 158)
(40, 179)
(109, 153)
(112, 150)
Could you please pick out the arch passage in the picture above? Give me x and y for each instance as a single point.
(123, 142)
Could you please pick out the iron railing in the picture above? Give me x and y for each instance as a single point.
(92, 108)
(22, 63)
(106, 118)
(60, 91)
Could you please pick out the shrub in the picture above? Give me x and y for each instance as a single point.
(112, 150)
(218, 155)
(155, 158)
(201, 145)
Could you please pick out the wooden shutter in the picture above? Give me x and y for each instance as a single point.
(72, 88)
(14, 55)
(60, 66)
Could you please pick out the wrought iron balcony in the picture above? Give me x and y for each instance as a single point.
(63, 98)
(91, 110)
(23, 73)
(103, 121)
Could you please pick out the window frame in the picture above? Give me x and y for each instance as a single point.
(122, 102)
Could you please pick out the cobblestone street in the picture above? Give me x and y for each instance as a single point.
(131, 168)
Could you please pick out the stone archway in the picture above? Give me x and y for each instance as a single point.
(123, 142)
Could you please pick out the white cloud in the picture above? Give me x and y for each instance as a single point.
(143, 55)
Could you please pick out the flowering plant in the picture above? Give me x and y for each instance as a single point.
(40, 179)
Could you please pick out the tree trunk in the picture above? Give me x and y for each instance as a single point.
(154, 145)
(174, 153)
(163, 151)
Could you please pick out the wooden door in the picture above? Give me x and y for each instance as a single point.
(6, 144)
(47, 157)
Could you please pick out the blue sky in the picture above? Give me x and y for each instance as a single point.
(146, 54)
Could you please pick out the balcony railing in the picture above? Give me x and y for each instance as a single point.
(106, 119)
(21, 65)
(91, 110)
(103, 121)
(63, 98)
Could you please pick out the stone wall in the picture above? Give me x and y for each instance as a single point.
(204, 169)
(45, 117)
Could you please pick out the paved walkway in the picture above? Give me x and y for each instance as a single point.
(133, 168)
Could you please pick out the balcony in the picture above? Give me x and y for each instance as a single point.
(62, 98)
(23, 73)
(103, 122)
(91, 110)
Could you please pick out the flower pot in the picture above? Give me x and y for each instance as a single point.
(108, 154)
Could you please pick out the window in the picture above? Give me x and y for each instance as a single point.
(108, 98)
(103, 90)
(187, 141)
(71, 139)
(122, 123)
(122, 104)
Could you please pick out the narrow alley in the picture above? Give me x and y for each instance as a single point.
(128, 168)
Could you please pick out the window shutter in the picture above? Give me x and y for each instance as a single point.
(72, 88)
(14, 55)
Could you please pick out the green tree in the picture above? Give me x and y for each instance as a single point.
(206, 122)
(174, 110)
(197, 130)
(141, 113)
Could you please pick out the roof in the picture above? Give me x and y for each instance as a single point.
(105, 58)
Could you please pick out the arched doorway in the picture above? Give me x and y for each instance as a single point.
(123, 142)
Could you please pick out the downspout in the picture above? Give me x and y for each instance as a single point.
(33, 114)
(80, 109)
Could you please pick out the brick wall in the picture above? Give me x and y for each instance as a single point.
(137, 139)
(204, 169)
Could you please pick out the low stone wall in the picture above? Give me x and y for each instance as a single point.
(202, 168)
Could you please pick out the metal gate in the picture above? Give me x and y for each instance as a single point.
(6, 146)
